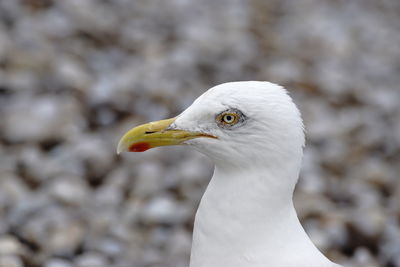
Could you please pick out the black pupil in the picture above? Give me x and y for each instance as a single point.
(228, 117)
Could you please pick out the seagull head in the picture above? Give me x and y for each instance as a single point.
(254, 134)
(235, 124)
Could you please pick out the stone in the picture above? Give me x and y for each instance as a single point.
(10, 261)
(57, 262)
(164, 209)
(9, 245)
(69, 190)
(91, 260)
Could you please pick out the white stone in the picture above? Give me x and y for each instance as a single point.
(57, 262)
(10, 261)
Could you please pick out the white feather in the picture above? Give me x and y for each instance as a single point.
(246, 217)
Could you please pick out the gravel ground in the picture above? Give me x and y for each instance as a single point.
(75, 75)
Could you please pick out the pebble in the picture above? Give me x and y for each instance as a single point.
(9, 245)
(65, 238)
(164, 209)
(53, 119)
(57, 262)
(91, 260)
(69, 190)
(10, 261)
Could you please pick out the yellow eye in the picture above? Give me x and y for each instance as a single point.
(228, 118)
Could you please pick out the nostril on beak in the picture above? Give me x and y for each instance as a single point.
(148, 132)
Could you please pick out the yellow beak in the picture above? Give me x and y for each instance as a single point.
(155, 134)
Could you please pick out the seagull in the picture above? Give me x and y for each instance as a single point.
(254, 134)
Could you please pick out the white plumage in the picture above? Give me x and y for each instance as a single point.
(254, 134)
(246, 217)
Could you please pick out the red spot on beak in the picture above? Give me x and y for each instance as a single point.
(139, 147)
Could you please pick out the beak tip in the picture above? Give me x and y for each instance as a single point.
(120, 148)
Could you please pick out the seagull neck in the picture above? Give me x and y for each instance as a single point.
(247, 215)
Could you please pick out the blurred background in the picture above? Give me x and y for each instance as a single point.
(76, 74)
